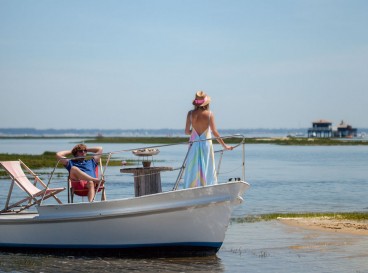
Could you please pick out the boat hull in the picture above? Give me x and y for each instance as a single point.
(184, 222)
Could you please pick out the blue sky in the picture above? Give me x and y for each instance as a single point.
(137, 64)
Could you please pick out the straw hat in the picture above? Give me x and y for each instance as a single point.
(201, 99)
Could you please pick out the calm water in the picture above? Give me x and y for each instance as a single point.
(282, 178)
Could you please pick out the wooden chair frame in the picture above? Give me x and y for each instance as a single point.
(15, 169)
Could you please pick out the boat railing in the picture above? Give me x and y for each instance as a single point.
(181, 168)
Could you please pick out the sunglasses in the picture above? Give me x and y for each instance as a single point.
(82, 151)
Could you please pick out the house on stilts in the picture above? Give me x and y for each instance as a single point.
(324, 129)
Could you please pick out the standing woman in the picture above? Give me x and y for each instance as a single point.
(200, 125)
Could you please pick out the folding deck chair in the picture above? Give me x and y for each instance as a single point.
(35, 195)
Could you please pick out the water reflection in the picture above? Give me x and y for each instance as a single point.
(45, 263)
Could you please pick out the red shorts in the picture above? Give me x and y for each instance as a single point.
(82, 185)
(79, 184)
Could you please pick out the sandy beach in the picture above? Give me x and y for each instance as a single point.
(329, 224)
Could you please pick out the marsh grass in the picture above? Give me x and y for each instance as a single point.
(45, 160)
(232, 140)
(289, 140)
(356, 216)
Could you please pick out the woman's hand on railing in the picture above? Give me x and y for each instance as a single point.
(227, 147)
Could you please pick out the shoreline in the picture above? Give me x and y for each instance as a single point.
(286, 140)
(328, 224)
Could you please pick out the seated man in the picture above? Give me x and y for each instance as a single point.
(80, 169)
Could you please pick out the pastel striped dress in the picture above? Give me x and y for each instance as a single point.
(200, 166)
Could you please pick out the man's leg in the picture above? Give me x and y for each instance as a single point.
(76, 174)
(91, 190)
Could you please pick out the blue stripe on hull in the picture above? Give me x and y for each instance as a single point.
(147, 250)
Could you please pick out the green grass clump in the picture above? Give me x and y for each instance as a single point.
(357, 216)
(45, 160)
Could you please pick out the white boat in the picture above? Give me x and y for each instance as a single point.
(183, 222)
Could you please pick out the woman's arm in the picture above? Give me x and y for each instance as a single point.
(188, 125)
(216, 133)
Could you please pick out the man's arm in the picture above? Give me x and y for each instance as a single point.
(97, 151)
(62, 156)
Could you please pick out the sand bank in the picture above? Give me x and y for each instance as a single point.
(329, 224)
